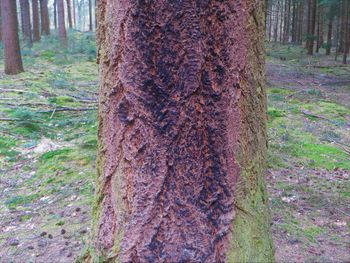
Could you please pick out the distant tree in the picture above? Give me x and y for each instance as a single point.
(36, 22)
(61, 22)
(74, 13)
(311, 26)
(26, 24)
(69, 12)
(0, 24)
(45, 20)
(346, 37)
(182, 134)
(55, 13)
(90, 15)
(12, 52)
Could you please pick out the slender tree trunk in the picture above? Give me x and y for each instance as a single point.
(0, 24)
(61, 22)
(346, 35)
(55, 13)
(282, 22)
(276, 21)
(12, 52)
(45, 20)
(36, 22)
(69, 11)
(182, 133)
(329, 36)
(90, 16)
(74, 14)
(26, 25)
(312, 25)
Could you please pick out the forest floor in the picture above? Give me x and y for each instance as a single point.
(48, 128)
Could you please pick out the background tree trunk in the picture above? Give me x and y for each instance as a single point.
(69, 12)
(182, 147)
(0, 24)
(346, 31)
(12, 52)
(74, 14)
(26, 25)
(45, 20)
(90, 16)
(36, 23)
(329, 36)
(61, 22)
(55, 13)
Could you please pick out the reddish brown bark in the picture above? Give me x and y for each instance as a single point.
(312, 9)
(36, 24)
(62, 33)
(44, 15)
(25, 19)
(12, 53)
(69, 12)
(182, 132)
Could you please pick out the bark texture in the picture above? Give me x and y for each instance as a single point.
(12, 52)
(36, 23)
(62, 32)
(26, 25)
(69, 11)
(182, 132)
(45, 20)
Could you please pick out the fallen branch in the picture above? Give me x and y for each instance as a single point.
(67, 109)
(314, 115)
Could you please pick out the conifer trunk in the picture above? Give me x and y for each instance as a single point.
(69, 12)
(36, 22)
(12, 52)
(62, 33)
(26, 24)
(44, 15)
(182, 135)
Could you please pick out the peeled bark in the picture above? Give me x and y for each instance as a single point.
(36, 24)
(12, 52)
(45, 20)
(69, 12)
(26, 25)
(182, 135)
(62, 33)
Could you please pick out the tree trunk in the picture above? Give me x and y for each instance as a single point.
(311, 26)
(346, 35)
(329, 36)
(276, 21)
(69, 11)
(36, 23)
(90, 16)
(74, 14)
(62, 33)
(26, 25)
(55, 13)
(45, 20)
(0, 24)
(182, 137)
(12, 52)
